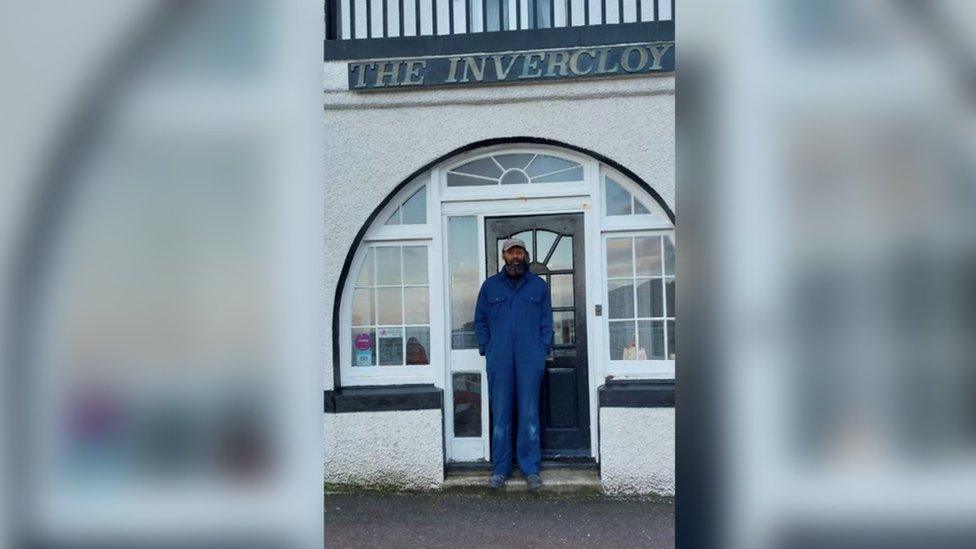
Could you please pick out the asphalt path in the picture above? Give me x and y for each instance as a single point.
(471, 520)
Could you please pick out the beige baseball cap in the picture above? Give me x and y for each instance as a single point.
(511, 243)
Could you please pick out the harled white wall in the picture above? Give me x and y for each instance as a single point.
(401, 449)
(637, 451)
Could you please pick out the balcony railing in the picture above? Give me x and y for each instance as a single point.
(357, 29)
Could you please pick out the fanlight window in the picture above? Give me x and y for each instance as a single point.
(413, 211)
(621, 202)
(515, 169)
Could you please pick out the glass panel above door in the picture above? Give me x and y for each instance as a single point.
(513, 169)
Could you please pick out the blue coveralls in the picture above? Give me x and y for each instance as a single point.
(513, 323)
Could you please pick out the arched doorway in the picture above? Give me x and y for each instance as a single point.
(603, 242)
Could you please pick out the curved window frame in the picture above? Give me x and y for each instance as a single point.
(380, 234)
(443, 201)
(522, 190)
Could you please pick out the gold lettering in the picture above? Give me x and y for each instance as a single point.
(531, 63)
(413, 70)
(574, 60)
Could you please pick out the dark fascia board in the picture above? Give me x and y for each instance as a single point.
(637, 394)
(487, 42)
(384, 399)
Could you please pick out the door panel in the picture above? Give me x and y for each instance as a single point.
(556, 253)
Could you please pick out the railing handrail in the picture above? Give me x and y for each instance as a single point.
(466, 40)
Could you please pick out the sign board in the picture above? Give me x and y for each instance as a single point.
(364, 350)
(509, 67)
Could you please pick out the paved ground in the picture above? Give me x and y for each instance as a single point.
(470, 520)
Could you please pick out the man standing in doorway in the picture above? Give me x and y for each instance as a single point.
(513, 323)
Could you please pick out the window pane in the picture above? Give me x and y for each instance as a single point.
(544, 242)
(545, 164)
(462, 258)
(485, 167)
(574, 174)
(415, 265)
(650, 298)
(564, 327)
(458, 180)
(671, 340)
(416, 307)
(394, 218)
(669, 254)
(622, 337)
(415, 208)
(363, 347)
(562, 257)
(362, 307)
(390, 305)
(561, 287)
(670, 296)
(639, 208)
(648, 254)
(620, 259)
(621, 298)
(366, 271)
(514, 177)
(618, 200)
(651, 338)
(388, 265)
(390, 345)
(467, 404)
(418, 346)
(519, 161)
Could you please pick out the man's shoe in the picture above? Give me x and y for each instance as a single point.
(534, 482)
(496, 482)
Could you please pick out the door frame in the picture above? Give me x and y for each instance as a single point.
(582, 201)
(573, 222)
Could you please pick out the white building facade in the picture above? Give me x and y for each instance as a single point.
(434, 157)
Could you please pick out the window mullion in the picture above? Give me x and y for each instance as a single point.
(633, 283)
(664, 295)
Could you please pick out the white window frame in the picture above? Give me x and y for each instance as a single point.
(520, 191)
(632, 369)
(381, 231)
(380, 234)
(655, 219)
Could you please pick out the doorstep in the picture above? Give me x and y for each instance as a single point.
(567, 480)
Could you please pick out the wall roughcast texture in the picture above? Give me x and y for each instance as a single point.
(401, 449)
(637, 451)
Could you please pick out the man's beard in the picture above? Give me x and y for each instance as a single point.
(515, 268)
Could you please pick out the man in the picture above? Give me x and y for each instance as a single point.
(513, 323)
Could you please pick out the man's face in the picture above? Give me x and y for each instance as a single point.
(515, 254)
(515, 260)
